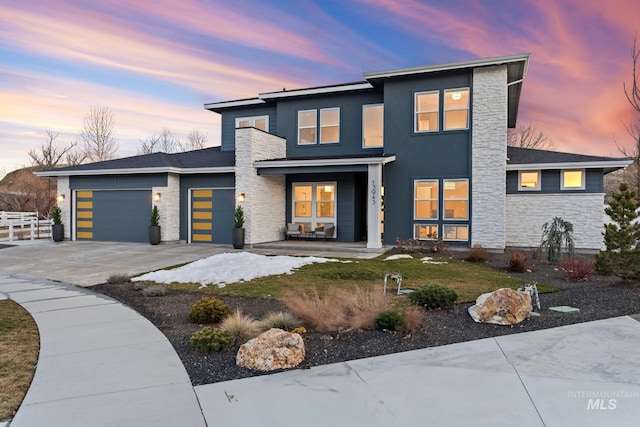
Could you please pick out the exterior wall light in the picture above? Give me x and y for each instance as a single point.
(60, 198)
(156, 197)
(241, 198)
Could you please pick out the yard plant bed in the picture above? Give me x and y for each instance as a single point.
(597, 298)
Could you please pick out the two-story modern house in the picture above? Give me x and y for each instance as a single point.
(410, 153)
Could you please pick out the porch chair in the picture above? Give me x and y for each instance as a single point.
(325, 231)
(293, 230)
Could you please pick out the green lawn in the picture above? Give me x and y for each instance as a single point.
(19, 346)
(468, 279)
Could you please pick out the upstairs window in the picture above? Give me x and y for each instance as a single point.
(456, 109)
(258, 122)
(373, 126)
(529, 181)
(427, 108)
(572, 179)
(329, 125)
(307, 121)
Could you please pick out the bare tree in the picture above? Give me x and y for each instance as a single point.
(196, 140)
(98, 135)
(632, 93)
(49, 156)
(165, 142)
(529, 137)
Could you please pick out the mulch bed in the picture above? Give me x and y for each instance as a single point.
(597, 298)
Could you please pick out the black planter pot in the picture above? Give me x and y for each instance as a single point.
(57, 232)
(237, 238)
(154, 234)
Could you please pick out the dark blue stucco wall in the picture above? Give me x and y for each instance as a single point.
(550, 182)
(108, 182)
(228, 122)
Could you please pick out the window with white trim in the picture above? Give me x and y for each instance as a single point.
(572, 179)
(314, 204)
(258, 122)
(425, 231)
(427, 109)
(425, 195)
(456, 198)
(329, 125)
(373, 125)
(456, 109)
(528, 180)
(455, 232)
(307, 123)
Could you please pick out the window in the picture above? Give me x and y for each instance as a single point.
(572, 179)
(528, 180)
(456, 109)
(314, 204)
(329, 125)
(422, 231)
(455, 232)
(258, 122)
(456, 198)
(307, 127)
(427, 107)
(373, 126)
(425, 195)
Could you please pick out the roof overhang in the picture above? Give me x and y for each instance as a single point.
(316, 90)
(607, 165)
(137, 171)
(215, 106)
(316, 165)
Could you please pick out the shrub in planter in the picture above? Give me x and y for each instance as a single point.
(391, 320)
(433, 296)
(208, 339)
(208, 310)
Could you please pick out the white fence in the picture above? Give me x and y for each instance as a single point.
(23, 226)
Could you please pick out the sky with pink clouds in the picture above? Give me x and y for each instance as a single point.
(155, 63)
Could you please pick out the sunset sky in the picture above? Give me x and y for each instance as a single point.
(155, 63)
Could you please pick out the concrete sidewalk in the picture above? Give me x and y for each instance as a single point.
(581, 375)
(100, 363)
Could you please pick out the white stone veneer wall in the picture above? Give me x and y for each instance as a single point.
(489, 157)
(65, 206)
(265, 195)
(526, 213)
(169, 208)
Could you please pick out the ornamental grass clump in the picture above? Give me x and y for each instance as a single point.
(211, 339)
(155, 291)
(208, 310)
(281, 320)
(433, 296)
(117, 278)
(242, 327)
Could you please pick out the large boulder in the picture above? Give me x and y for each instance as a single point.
(273, 349)
(503, 307)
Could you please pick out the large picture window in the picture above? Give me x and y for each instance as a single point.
(314, 204)
(456, 198)
(373, 126)
(258, 122)
(456, 109)
(307, 121)
(427, 108)
(425, 195)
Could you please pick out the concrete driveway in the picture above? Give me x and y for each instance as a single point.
(90, 263)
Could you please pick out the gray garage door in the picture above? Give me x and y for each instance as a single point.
(115, 216)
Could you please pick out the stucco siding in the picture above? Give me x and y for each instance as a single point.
(527, 213)
(264, 205)
(488, 157)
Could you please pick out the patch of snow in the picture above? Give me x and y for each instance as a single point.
(429, 260)
(231, 267)
(397, 256)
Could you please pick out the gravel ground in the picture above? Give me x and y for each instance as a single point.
(597, 298)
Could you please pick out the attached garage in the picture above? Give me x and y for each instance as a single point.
(112, 215)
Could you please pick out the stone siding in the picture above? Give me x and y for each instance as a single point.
(169, 208)
(65, 206)
(489, 157)
(526, 213)
(265, 196)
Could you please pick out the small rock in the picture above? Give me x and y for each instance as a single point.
(326, 338)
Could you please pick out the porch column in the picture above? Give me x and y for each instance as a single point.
(374, 205)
